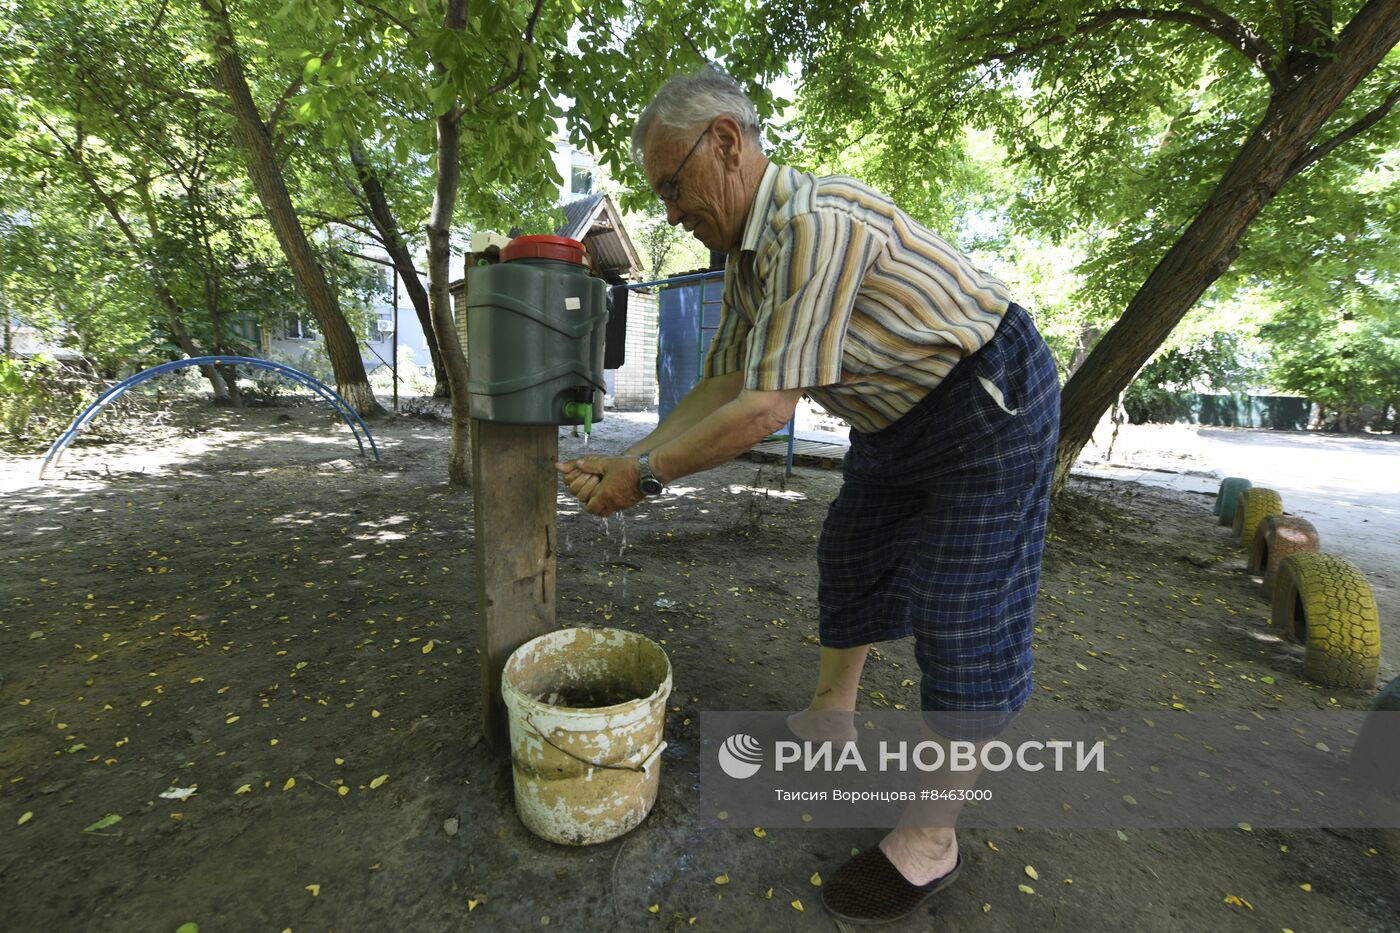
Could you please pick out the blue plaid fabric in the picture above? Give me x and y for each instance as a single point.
(939, 526)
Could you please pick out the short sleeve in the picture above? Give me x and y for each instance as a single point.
(811, 273)
(726, 352)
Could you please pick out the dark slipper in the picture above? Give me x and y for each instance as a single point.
(869, 889)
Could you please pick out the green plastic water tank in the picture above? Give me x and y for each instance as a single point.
(535, 329)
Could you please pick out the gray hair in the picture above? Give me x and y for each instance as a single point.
(690, 101)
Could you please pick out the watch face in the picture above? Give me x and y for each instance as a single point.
(652, 487)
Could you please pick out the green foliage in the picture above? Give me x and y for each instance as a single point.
(1218, 362)
(38, 396)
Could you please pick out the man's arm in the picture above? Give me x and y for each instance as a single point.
(610, 484)
(733, 429)
(704, 398)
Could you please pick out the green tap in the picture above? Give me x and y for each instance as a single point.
(582, 410)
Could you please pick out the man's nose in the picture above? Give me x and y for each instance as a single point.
(673, 213)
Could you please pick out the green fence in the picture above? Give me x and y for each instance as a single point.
(1282, 413)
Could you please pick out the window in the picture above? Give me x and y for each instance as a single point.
(581, 180)
(299, 328)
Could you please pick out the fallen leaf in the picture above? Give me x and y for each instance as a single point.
(654, 908)
(1306, 887)
(721, 879)
(246, 788)
(816, 879)
(25, 817)
(187, 928)
(1122, 836)
(429, 646)
(291, 782)
(111, 819)
(471, 904)
(1234, 901)
(760, 832)
(797, 906)
(1130, 800)
(992, 845)
(342, 790)
(1025, 889)
(374, 714)
(378, 782)
(1032, 873)
(315, 889)
(986, 908)
(769, 894)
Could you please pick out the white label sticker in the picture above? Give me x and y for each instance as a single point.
(571, 304)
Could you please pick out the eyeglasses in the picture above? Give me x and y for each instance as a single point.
(670, 190)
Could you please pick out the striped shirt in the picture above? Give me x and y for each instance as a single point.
(835, 290)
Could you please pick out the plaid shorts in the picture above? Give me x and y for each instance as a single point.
(939, 526)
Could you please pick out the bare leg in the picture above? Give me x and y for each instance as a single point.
(827, 717)
(925, 844)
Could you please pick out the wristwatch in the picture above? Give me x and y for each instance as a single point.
(650, 485)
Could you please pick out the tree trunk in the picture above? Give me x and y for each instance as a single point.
(387, 225)
(1297, 111)
(449, 170)
(266, 175)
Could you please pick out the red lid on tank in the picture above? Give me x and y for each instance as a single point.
(560, 248)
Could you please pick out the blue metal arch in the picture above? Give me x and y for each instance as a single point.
(348, 414)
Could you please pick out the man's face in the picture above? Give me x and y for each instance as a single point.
(683, 164)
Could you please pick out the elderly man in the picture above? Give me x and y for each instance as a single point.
(832, 291)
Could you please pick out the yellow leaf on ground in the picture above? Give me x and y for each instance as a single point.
(378, 782)
(760, 832)
(992, 845)
(769, 894)
(721, 879)
(374, 714)
(291, 782)
(428, 647)
(1234, 901)
(1025, 889)
(342, 790)
(1306, 887)
(797, 906)
(315, 889)
(1032, 873)
(245, 789)
(25, 817)
(654, 908)
(816, 879)
(231, 720)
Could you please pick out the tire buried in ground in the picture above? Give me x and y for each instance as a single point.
(1325, 604)
(1230, 488)
(1252, 507)
(1278, 537)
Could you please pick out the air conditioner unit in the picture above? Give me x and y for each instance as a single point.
(385, 325)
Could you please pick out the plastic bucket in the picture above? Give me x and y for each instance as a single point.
(587, 719)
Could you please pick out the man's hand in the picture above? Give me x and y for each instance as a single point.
(603, 484)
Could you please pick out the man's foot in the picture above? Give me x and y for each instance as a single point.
(823, 725)
(869, 889)
(921, 855)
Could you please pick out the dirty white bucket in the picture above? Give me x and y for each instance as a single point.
(587, 719)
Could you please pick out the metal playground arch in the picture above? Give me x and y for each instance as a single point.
(348, 414)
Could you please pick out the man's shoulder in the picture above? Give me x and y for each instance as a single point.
(807, 193)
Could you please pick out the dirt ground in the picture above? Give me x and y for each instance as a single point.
(234, 601)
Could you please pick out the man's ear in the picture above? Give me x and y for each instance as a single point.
(730, 141)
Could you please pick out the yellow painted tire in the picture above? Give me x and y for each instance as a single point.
(1326, 604)
(1253, 506)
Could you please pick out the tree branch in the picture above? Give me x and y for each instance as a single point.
(282, 103)
(519, 62)
(1321, 150)
(387, 15)
(1239, 38)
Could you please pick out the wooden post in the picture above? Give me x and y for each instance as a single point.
(514, 485)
